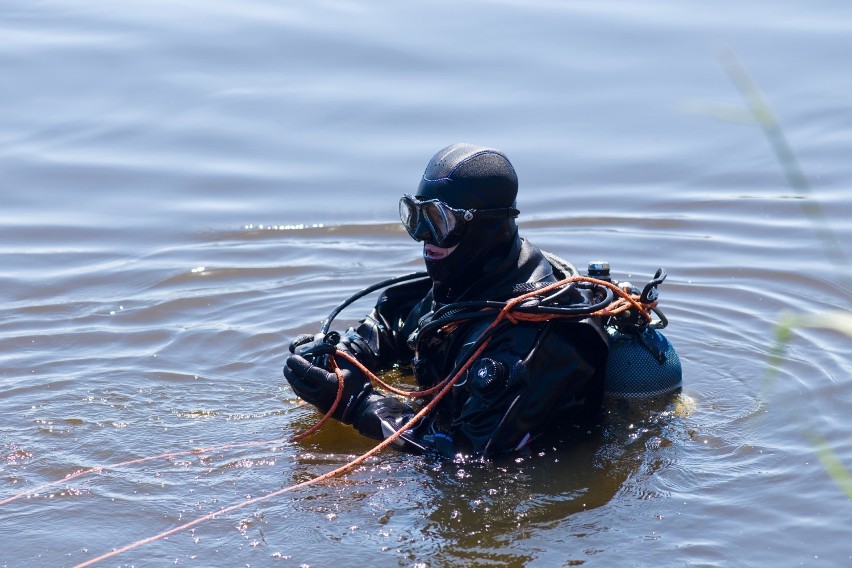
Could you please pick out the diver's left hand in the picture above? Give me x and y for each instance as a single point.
(318, 386)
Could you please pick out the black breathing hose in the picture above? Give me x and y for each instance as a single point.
(357, 296)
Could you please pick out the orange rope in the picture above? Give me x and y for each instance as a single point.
(445, 387)
(373, 377)
(169, 455)
(328, 475)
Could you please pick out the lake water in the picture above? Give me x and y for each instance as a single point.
(187, 186)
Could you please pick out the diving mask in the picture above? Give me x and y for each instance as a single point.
(434, 222)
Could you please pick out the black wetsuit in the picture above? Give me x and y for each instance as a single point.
(532, 376)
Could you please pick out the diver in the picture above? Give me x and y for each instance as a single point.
(532, 377)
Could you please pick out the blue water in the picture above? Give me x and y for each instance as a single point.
(187, 187)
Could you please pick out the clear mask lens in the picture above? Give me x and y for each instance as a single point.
(428, 221)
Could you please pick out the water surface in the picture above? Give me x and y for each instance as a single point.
(187, 187)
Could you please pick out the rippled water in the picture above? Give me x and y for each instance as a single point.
(186, 187)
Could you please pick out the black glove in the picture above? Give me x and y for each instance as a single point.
(318, 386)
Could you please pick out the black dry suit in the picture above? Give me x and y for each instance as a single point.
(532, 376)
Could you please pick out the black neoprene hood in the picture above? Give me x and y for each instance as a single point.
(466, 176)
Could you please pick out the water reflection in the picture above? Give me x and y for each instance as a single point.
(483, 512)
(137, 146)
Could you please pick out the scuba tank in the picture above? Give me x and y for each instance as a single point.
(642, 363)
